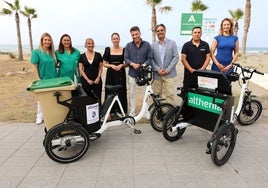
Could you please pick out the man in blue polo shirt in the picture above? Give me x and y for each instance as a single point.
(195, 55)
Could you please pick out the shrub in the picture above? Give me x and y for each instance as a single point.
(11, 55)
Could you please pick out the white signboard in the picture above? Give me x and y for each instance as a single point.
(209, 26)
(206, 82)
(92, 111)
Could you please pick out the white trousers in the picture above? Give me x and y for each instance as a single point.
(39, 115)
(133, 95)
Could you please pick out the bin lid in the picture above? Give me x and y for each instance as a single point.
(50, 83)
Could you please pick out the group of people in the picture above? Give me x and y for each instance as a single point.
(162, 55)
(196, 54)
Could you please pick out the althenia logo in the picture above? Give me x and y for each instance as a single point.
(204, 102)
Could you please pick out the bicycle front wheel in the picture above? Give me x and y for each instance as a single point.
(170, 121)
(224, 143)
(250, 112)
(66, 143)
(158, 114)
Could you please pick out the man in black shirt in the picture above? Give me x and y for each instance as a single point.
(195, 55)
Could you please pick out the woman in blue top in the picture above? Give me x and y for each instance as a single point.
(67, 57)
(44, 65)
(227, 47)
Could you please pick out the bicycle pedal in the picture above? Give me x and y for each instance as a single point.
(137, 131)
(236, 131)
(94, 136)
(208, 151)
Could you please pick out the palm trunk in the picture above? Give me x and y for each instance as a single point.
(246, 26)
(235, 28)
(153, 23)
(20, 54)
(30, 33)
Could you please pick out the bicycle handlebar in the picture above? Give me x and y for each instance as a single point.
(247, 70)
(258, 72)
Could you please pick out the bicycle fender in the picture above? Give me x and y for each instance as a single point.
(151, 106)
(253, 96)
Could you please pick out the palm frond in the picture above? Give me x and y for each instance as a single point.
(165, 9)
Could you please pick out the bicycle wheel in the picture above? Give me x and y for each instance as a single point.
(171, 120)
(223, 144)
(66, 143)
(158, 114)
(250, 112)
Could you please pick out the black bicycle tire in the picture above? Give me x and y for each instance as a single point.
(155, 114)
(175, 118)
(57, 130)
(219, 143)
(255, 116)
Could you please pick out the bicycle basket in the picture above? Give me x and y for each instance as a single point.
(143, 76)
(234, 76)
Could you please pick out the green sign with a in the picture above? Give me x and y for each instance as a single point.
(204, 102)
(190, 20)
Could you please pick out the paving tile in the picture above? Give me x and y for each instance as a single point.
(121, 158)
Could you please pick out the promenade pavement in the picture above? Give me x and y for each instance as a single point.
(121, 158)
(261, 80)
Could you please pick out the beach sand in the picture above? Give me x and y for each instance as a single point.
(19, 105)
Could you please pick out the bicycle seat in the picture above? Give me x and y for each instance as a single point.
(113, 88)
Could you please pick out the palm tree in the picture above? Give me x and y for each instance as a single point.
(198, 6)
(30, 14)
(154, 4)
(236, 15)
(15, 8)
(246, 25)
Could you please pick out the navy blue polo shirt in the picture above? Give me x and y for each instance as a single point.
(195, 56)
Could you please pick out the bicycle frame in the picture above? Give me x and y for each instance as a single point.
(117, 122)
(106, 124)
(145, 104)
(244, 88)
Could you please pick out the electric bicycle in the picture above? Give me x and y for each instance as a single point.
(248, 109)
(86, 121)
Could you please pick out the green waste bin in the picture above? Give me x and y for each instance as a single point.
(44, 90)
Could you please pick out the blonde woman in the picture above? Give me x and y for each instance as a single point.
(227, 47)
(90, 67)
(44, 65)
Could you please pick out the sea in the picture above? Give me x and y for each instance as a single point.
(26, 49)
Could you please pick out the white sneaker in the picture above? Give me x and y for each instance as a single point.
(38, 121)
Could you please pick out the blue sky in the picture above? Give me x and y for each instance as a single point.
(99, 18)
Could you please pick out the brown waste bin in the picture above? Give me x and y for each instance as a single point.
(44, 90)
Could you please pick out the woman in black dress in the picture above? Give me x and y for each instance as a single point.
(90, 67)
(113, 60)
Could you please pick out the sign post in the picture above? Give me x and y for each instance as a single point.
(190, 20)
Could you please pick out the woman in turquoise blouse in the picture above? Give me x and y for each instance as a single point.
(44, 65)
(67, 58)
